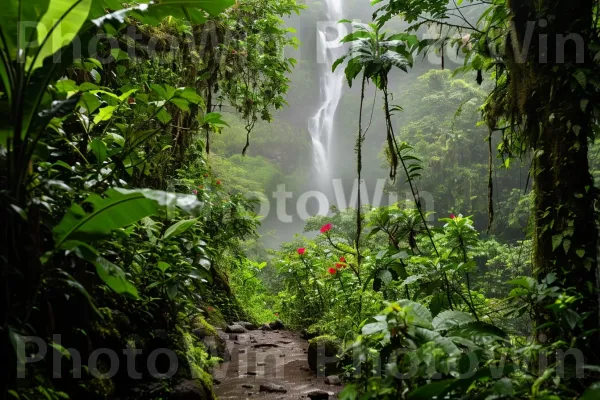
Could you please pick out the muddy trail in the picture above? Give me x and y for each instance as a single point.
(269, 365)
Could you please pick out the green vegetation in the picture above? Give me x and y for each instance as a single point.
(88, 254)
(130, 176)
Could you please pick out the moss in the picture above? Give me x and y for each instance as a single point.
(206, 380)
(106, 328)
(198, 360)
(322, 354)
(200, 323)
(215, 317)
(102, 388)
(324, 339)
(314, 329)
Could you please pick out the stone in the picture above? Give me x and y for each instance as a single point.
(216, 346)
(189, 390)
(272, 388)
(277, 324)
(306, 335)
(322, 355)
(333, 380)
(264, 345)
(248, 325)
(235, 329)
(318, 395)
(246, 386)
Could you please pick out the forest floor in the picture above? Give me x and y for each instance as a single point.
(273, 358)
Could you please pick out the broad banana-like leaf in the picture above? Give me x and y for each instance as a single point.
(118, 208)
(57, 28)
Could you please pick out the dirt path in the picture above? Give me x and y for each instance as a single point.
(267, 357)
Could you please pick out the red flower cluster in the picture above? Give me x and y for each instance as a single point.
(452, 216)
(332, 271)
(195, 191)
(301, 251)
(326, 228)
(218, 182)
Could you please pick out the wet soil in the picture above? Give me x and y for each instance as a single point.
(267, 357)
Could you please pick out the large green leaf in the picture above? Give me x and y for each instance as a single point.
(430, 390)
(118, 208)
(111, 212)
(450, 319)
(592, 393)
(58, 27)
(478, 332)
(179, 227)
(422, 316)
(482, 374)
(13, 14)
(114, 277)
(426, 335)
(111, 274)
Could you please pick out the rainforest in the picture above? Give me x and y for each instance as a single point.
(299, 199)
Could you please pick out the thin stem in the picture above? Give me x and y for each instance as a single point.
(316, 285)
(359, 141)
(410, 183)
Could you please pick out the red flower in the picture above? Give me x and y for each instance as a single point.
(452, 216)
(339, 265)
(332, 271)
(195, 191)
(326, 228)
(301, 251)
(342, 259)
(218, 182)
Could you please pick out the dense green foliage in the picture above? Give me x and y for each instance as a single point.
(90, 255)
(130, 176)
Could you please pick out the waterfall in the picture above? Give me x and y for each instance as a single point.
(321, 125)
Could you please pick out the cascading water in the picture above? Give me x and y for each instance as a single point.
(321, 125)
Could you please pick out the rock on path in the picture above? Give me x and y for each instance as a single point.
(269, 359)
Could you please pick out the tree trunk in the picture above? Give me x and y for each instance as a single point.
(565, 235)
(546, 92)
